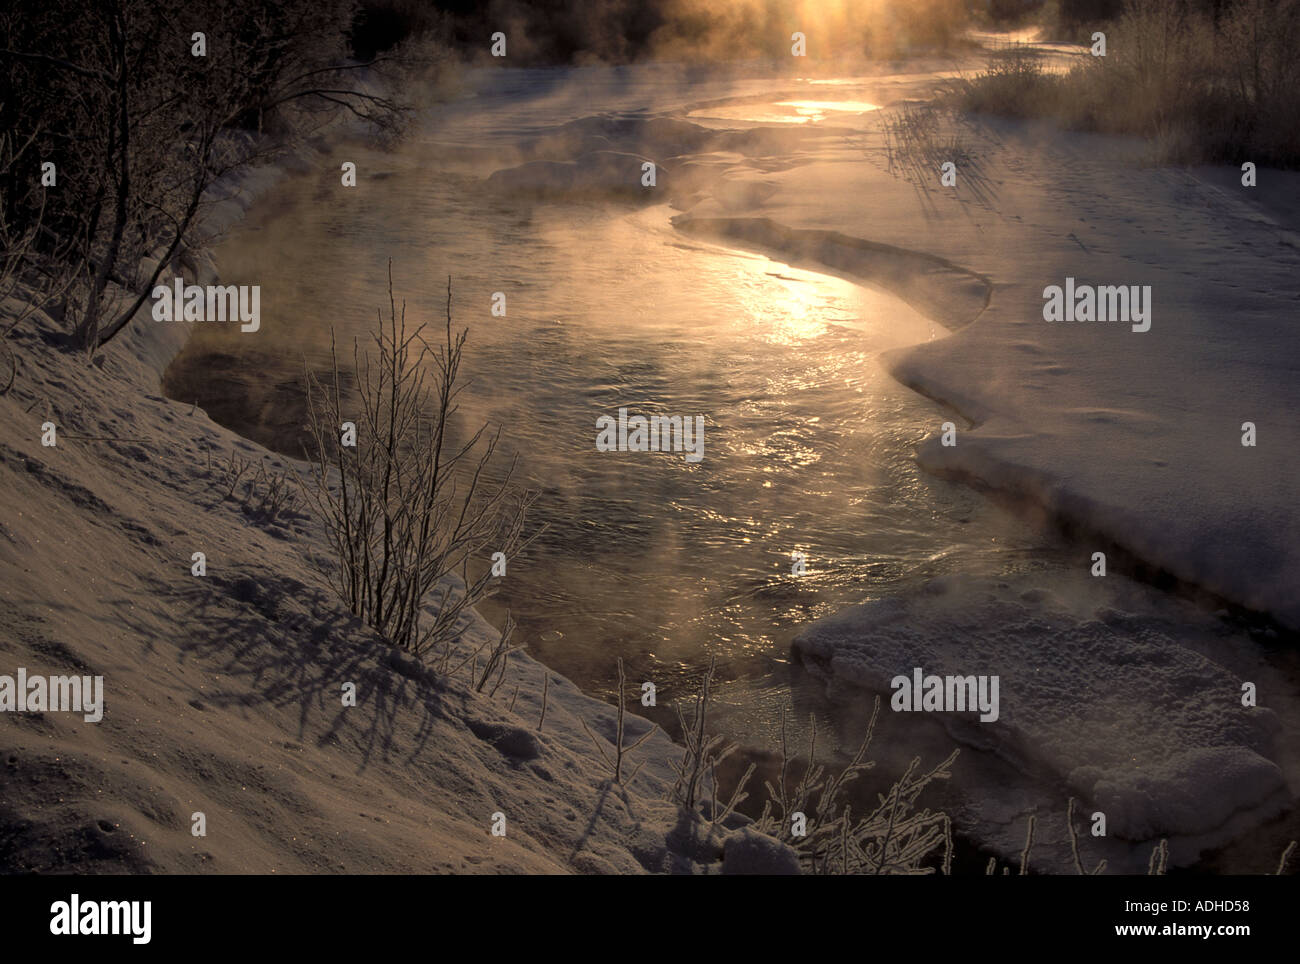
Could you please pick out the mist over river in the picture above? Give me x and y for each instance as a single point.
(809, 444)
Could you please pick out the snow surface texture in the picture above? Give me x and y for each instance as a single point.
(1117, 708)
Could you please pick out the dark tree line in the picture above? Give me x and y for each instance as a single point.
(118, 117)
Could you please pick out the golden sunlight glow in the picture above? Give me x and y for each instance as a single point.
(818, 109)
(795, 317)
(786, 111)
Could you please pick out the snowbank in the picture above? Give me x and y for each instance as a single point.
(1120, 709)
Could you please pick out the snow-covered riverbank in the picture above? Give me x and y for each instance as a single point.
(226, 693)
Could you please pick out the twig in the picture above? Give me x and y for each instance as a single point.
(1029, 842)
(546, 688)
(1286, 858)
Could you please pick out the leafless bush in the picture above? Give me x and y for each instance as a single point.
(701, 756)
(33, 277)
(1158, 865)
(894, 838)
(1014, 82)
(408, 507)
(1074, 843)
(231, 474)
(140, 127)
(620, 751)
(265, 494)
(494, 669)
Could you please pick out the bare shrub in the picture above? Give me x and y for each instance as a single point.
(1203, 87)
(494, 668)
(1074, 844)
(1014, 83)
(266, 495)
(409, 508)
(140, 129)
(34, 278)
(701, 756)
(620, 750)
(893, 838)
